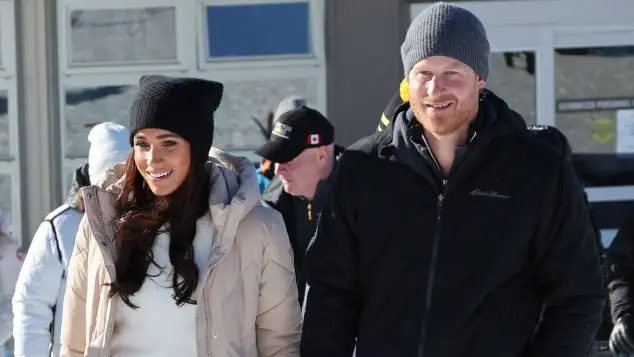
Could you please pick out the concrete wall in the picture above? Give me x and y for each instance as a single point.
(363, 60)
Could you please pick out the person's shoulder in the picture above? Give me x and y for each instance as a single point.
(262, 225)
(363, 155)
(537, 158)
(262, 214)
(64, 213)
(543, 152)
(57, 212)
(371, 143)
(553, 137)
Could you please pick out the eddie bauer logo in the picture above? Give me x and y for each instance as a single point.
(492, 194)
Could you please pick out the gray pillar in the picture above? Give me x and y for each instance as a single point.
(38, 101)
(363, 39)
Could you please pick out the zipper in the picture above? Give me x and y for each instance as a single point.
(310, 211)
(112, 251)
(101, 225)
(434, 252)
(207, 318)
(432, 268)
(206, 305)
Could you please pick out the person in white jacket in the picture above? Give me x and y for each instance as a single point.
(39, 292)
(10, 263)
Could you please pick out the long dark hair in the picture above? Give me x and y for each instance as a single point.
(139, 216)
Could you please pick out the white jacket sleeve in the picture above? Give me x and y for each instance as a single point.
(36, 294)
(9, 270)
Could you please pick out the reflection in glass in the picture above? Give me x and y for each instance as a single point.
(123, 36)
(86, 107)
(1, 63)
(5, 134)
(592, 74)
(242, 100)
(5, 193)
(258, 30)
(512, 77)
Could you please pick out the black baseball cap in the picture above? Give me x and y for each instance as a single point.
(295, 131)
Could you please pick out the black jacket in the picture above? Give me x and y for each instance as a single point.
(411, 265)
(555, 138)
(300, 217)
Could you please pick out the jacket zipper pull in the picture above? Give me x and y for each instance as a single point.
(310, 211)
(441, 197)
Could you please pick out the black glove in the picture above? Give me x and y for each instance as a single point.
(621, 339)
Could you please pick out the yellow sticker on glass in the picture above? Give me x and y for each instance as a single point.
(603, 130)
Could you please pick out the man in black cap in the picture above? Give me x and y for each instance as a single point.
(454, 232)
(303, 150)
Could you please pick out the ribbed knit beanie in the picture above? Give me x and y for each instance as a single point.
(447, 30)
(184, 106)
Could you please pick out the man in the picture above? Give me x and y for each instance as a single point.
(548, 134)
(621, 289)
(39, 293)
(266, 169)
(456, 232)
(303, 150)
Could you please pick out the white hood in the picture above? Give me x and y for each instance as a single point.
(109, 145)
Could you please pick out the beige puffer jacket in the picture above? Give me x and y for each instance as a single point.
(248, 306)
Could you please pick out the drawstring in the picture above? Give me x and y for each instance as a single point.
(310, 211)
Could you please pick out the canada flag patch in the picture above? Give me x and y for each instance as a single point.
(314, 139)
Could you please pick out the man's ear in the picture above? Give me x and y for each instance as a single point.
(323, 152)
(481, 82)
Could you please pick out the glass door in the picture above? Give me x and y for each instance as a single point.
(594, 108)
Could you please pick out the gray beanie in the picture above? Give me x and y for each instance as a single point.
(447, 30)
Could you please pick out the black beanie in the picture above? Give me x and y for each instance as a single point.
(184, 106)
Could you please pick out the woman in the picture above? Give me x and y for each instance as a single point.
(39, 292)
(175, 255)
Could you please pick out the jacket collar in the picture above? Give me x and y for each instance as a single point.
(234, 192)
(494, 119)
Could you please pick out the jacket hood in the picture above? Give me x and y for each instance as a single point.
(80, 179)
(109, 145)
(234, 192)
(494, 119)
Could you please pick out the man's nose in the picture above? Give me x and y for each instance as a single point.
(434, 87)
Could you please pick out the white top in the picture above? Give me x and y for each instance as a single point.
(158, 327)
